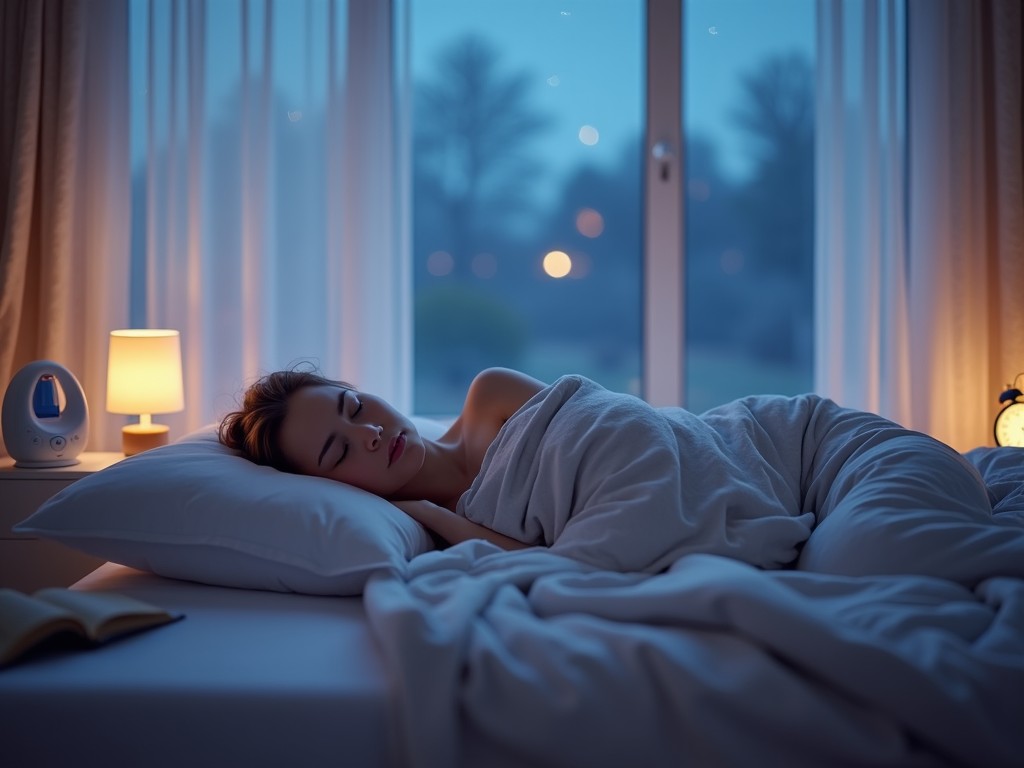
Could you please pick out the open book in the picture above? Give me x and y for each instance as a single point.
(27, 622)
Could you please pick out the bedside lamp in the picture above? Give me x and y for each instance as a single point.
(143, 378)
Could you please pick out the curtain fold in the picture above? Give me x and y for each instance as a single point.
(65, 196)
(919, 245)
(376, 271)
(966, 222)
(861, 355)
(267, 182)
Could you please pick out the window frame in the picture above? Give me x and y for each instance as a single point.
(664, 333)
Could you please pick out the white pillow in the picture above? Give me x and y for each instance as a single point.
(198, 510)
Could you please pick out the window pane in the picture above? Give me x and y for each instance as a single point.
(748, 115)
(527, 170)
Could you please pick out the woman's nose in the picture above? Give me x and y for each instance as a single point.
(371, 436)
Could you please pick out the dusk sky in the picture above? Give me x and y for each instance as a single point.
(587, 58)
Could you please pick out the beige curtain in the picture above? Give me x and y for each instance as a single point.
(64, 190)
(966, 222)
(920, 237)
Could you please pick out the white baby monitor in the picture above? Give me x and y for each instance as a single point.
(37, 432)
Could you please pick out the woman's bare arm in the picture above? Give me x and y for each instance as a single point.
(453, 528)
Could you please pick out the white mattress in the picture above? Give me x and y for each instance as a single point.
(247, 678)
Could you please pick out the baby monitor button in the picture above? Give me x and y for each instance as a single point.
(58, 443)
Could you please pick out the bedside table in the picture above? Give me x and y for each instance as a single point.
(28, 563)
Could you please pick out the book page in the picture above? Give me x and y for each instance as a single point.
(106, 614)
(25, 622)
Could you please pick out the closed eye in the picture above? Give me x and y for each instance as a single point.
(341, 410)
(344, 452)
(358, 403)
(330, 438)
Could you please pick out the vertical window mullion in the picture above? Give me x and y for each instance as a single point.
(663, 329)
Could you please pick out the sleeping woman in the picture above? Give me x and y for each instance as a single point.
(607, 479)
(301, 422)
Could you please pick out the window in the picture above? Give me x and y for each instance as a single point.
(527, 199)
(748, 109)
(533, 240)
(529, 162)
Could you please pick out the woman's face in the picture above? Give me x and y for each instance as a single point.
(346, 435)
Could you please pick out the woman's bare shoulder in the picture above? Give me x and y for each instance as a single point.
(493, 396)
(501, 392)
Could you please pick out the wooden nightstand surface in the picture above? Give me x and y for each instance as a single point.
(88, 462)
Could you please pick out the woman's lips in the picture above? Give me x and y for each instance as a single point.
(396, 448)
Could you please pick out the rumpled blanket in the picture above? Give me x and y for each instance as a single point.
(779, 581)
(604, 478)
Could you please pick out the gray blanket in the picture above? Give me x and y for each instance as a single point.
(778, 581)
(606, 479)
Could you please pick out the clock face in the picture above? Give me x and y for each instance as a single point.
(1010, 425)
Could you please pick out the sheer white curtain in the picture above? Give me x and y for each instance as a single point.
(266, 205)
(919, 255)
(64, 193)
(861, 357)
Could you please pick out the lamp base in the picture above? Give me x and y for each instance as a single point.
(136, 438)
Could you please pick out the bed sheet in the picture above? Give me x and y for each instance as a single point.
(247, 678)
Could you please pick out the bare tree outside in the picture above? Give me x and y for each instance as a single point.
(478, 165)
(475, 159)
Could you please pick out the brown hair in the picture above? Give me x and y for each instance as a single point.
(254, 428)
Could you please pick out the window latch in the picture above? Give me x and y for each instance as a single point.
(663, 154)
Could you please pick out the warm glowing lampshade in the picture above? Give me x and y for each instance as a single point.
(143, 378)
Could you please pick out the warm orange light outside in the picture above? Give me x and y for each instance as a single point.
(440, 263)
(589, 223)
(557, 264)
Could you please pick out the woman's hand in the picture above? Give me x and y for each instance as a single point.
(451, 527)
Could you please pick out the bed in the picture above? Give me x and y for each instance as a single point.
(249, 677)
(824, 588)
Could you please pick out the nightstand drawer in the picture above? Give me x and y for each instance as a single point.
(22, 498)
(31, 564)
(28, 562)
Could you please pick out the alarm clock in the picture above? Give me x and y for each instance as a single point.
(37, 432)
(1009, 426)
